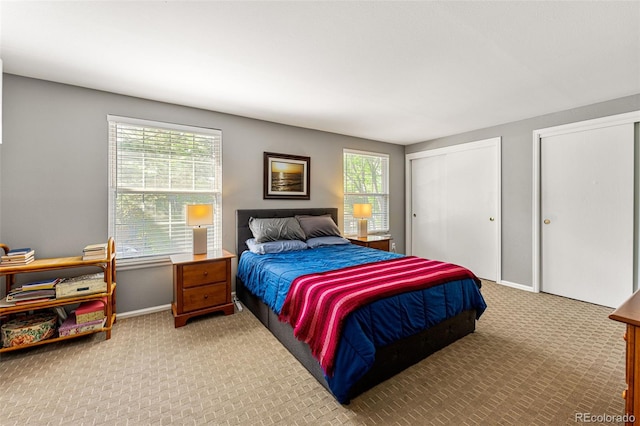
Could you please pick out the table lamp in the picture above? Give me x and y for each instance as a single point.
(198, 215)
(362, 211)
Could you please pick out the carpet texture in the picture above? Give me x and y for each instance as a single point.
(535, 359)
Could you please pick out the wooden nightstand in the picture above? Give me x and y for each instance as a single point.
(629, 313)
(201, 285)
(372, 241)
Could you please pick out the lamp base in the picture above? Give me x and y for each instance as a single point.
(199, 240)
(362, 228)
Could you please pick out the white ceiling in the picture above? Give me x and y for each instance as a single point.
(397, 71)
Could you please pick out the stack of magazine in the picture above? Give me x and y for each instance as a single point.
(21, 256)
(34, 292)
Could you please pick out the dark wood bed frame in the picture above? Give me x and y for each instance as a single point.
(389, 360)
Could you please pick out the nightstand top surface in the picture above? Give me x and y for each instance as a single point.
(371, 238)
(193, 258)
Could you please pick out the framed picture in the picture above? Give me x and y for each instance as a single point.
(286, 176)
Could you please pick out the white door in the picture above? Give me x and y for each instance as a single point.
(429, 207)
(455, 206)
(586, 211)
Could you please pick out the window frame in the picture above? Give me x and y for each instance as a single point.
(349, 222)
(184, 232)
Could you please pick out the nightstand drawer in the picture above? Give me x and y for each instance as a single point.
(380, 245)
(204, 296)
(372, 241)
(204, 273)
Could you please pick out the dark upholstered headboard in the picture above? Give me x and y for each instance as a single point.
(243, 233)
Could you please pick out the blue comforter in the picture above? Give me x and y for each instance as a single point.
(269, 277)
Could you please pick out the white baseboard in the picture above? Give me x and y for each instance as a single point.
(153, 310)
(144, 311)
(516, 285)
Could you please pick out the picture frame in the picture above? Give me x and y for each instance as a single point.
(286, 177)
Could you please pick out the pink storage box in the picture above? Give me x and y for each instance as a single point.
(91, 311)
(69, 327)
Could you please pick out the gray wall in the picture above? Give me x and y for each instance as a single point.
(53, 172)
(517, 176)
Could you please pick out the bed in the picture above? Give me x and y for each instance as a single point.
(357, 368)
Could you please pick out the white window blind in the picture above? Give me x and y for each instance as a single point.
(155, 170)
(366, 180)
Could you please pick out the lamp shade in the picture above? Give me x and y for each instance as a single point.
(362, 210)
(199, 214)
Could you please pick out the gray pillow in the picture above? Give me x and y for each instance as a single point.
(318, 226)
(279, 246)
(274, 229)
(326, 241)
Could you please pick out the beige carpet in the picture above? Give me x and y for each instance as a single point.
(535, 359)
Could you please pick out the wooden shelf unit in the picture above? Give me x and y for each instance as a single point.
(108, 266)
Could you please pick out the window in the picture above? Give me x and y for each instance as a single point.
(155, 170)
(366, 180)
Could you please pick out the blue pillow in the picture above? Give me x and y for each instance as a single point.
(275, 246)
(326, 241)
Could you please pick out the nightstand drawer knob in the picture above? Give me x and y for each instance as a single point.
(205, 273)
(206, 296)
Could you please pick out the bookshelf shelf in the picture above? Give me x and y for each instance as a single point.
(108, 267)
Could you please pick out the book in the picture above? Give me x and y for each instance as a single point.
(29, 294)
(17, 262)
(15, 258)
(19, 251)
(4, 303)
(20, 294)
(95, 247)
(41, 285)
(27, 301)
(95, 252)
(18, 255)
(95, 257)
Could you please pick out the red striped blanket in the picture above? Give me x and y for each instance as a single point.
(317, 304)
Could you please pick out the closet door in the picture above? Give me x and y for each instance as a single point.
(586, 211)
(429, 207)
(455, 207)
